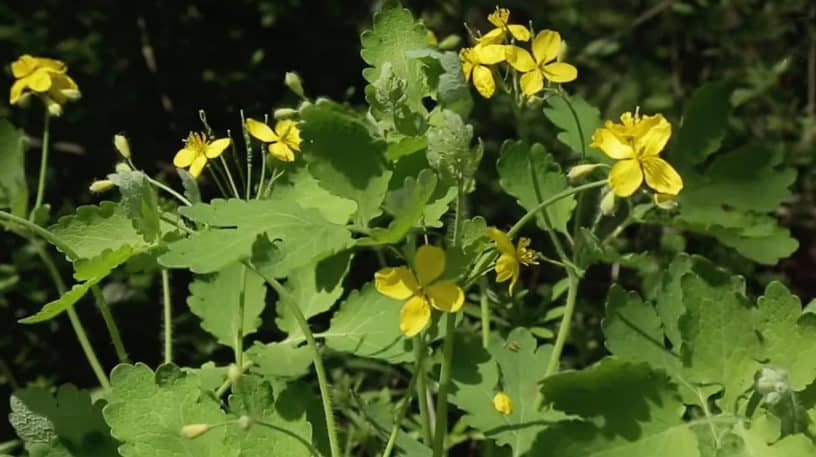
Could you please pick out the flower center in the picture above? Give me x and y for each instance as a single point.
(197, 142)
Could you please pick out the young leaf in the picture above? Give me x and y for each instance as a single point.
(407, 204)
(95, 229)
(577, 135)
(139, 202)
(449, 151)
(13, 187)
(215, 299)
(302, 188)
(530, 174)
(280, 360)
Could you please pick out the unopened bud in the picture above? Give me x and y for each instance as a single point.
(502, 403)
(293, 82)
(664, 201)
(121, 144)
(102, 185)
(284, 113)
(54, 108)
(608, 203)
(579, 171)
(194, 430)
(234, 374)
(450, 42)
(245, 422)
(122, 167)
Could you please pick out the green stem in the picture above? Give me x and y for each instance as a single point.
(392, 439)
(167, 306)
(82, 337)
(278, 428)
(262, 179)
(566, 322)
(422, 391)
(248, 146)
(169, 190)
(229, 176)
(484, 304)
(110, 323)
(43, 163)
(239, 337)
(217, 181)
(317, 361)
(563, 194)
(444, 386)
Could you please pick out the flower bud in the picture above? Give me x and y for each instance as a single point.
(284, 113)
(579, 171)
(101, 185)
(54, 108)
(234, 374)
(450, 42)
(194, 430)
(122, 167)
(664, 201)
(121, 144)
(502, 403)
(293, 82)
(608, 203)
(245, 422)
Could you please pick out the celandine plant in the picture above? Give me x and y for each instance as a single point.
(697, 367)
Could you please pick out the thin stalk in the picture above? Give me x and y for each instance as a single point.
(566, 322)
(563, 194)
(239, 337)
(169, 190)
(248, 146)
(278, 428)
(217, 181)
(43, 163)
(422, 391)
(263, 177)
(484, 305)
(110, 323)
(167, 306)
(229, 176)
(392, 439)
(82, 337)
(237, 162)
(317, 361)
(444, 386)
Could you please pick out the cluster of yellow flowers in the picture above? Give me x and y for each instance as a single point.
(498, 45)
(45, 77)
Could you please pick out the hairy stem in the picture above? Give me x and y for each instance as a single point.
(441, 431)
(167, 306)
(110, 323)
(392, 439)
(239, 337)
(43, 163)
(566, 322)
(170, 191)
(422, 390)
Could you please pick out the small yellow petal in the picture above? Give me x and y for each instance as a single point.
(546, 46)
(519, 32)
(490, 54)
(519, 58)
(499, 17)
(198, 165)
(397, 282)
(613, 146)
(531, 82)
(429, 263)
(503, 243)
(281, 152)
(661, 176)
(23, 66)
(184, 157)
(289, 133)
(261, 131)
(414, 316)
(495, 36)
(625, 177)
(502, 403)
(483, 81)
(507, 267)
(446, 296)
(16, 91)
(654, 136)
(467, 69)
(560, 72)
(39, 81)
(217, 147)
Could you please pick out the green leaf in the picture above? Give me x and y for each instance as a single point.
(389, 105)
(280, 360)
(367, 325)
(13, 187)
(449, 151)
(453, 92)
(94, 229)
(576, 135)
(394, 34)
(301, 236)
(292, 436)
(788, 335)
(215, 299)
(705, 123)
(530, 174)
(407, 206)
(190, 184)
(305, 190)
(139, 202)
(762, 439)
(345, 158)
(379, 411)
(147, 412)
(629, 411)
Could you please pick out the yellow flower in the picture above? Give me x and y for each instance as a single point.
(502, 403)
(46, 77)
(475, 63)
(197, 150)
(283, 140)
(636, 143)
(500, 19)
(511, 257)
(542, 64)
(421, 291)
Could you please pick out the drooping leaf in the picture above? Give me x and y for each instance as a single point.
(13, 187)
(531, 175)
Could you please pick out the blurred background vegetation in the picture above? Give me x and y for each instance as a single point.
(146, 68)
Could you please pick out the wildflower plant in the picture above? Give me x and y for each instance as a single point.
(327, 241)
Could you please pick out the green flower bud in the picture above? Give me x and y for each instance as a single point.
(194, 430)
(293, 82)
(102, 185)
(608, 203)
(284, 113)
(579, 171)
(121, 144)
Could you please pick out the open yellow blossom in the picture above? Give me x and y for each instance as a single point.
(542, 64)
(475, 63)
(283, 141)
(636, 143)
(500, 19)
(43, 76)
(502, 403)
(197, 150)
(420, 289)
(511, 257)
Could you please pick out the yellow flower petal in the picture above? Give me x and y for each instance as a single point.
(531, 82)
(483, 81)
(502, 403)
(507, 267)
(261, 131)
(39, 81)
(494, 36)
(414, 316)
(429, 263)
(217, 147)
(288, 132)
(519, 32)
(489, 54)
(281, 152)
(625, 177)
(184, 158)
(16, 91)
(503, 243)
(23, 66)
(546, 46)
(499, 17)
(519, 58)
(611, 145)
(654, 136)
(446, 296)
(661, 176)
(398, 283)
(467, 69)
(560, 72)
(198, 165)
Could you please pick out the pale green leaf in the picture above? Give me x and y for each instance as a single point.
(576, 135)
(94, 229)
(449, 151)
(139, 202)
(280, 360)
(407, 206)
(304, 189)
